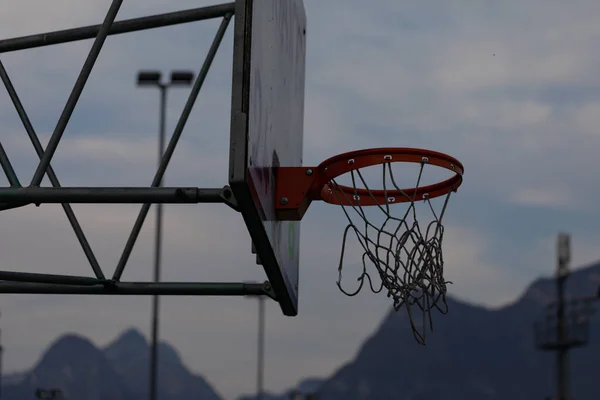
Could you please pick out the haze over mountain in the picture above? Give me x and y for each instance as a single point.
(119, 371)
(473, 353)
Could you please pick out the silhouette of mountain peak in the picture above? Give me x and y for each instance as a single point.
(168, 354)
(132, 336)
(472, 353)
(68, 347)
(82, 371)
(581, 283)
(76, 366)
(131, 343)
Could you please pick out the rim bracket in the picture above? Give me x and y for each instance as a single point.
(294, 191)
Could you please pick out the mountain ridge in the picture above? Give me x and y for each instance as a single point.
(117, 371)
(475, 352)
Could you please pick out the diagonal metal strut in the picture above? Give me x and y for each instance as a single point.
(37, 145)
(137, 227)
(86, 70)
(8, 168)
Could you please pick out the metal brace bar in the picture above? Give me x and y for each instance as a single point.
(75, 93)
(30, 277)
(125, 26)
(137, 227)
(37, 145)
(112, 195)
(11, 175)
(142, 289)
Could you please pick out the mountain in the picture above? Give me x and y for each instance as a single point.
(305, 387)
(77, 367)
(175, 382)
(120, 371)
(474, 354)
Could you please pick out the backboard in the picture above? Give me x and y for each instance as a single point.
(267, 130)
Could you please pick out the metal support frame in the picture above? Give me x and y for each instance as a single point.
(18, 195)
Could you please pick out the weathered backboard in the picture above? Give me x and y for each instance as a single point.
(267, 130)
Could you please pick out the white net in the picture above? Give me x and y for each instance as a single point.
(403, 255)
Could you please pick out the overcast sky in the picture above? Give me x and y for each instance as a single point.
(510, 88)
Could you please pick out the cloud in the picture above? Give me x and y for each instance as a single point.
(474, 274)
(543, 198)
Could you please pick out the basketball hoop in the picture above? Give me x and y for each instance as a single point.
(406, 257)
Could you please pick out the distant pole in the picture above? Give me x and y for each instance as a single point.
(261, 347)
(562, 360)
(1, 355)
(558, 331)
(153, 78)
(157, 251)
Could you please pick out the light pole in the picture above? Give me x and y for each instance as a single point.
(562, 272)
(566, 322)
(1, 355)
(153, 78)
(261, 348)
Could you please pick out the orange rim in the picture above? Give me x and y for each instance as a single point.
(338, 165)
